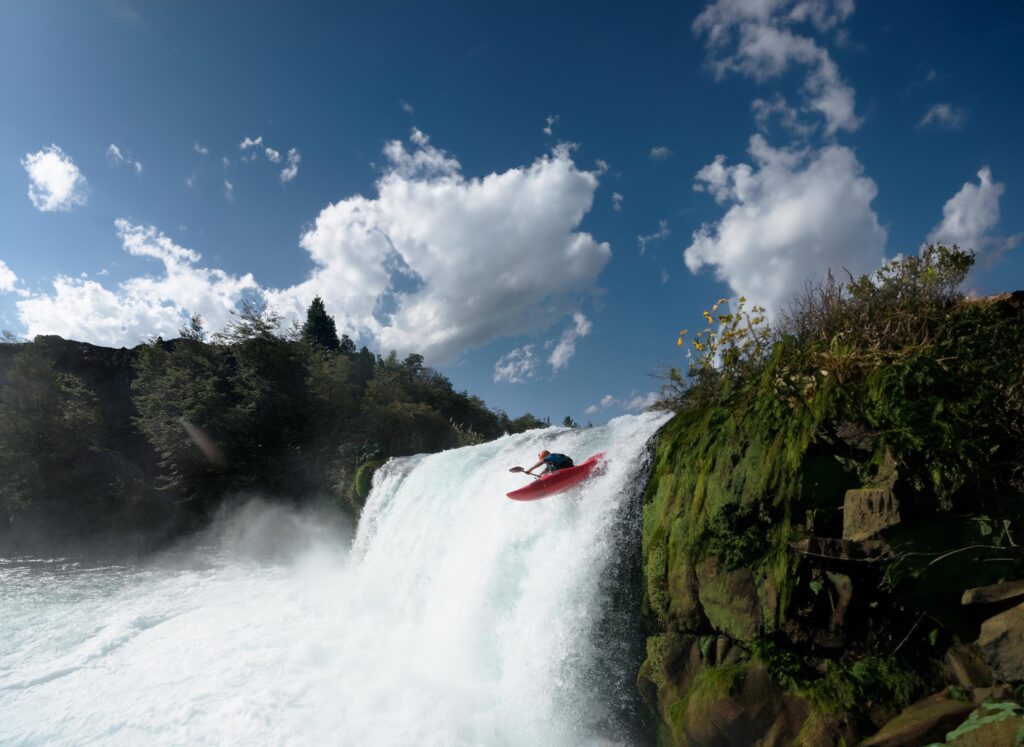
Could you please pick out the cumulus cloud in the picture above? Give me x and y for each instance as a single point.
(229, 191)
(550, 121)
(606, 401)
(658, 235)
(435, 263)
(250, 143)
(272, 155)
(117, 158)
(660, 153)
(630, 404)
(617, 201)
(793, 214)
(406, 107)
(84, 309)
(516, 366)
(566, 347)
(8, 280)
(758, 38)
(55, 183)
(640, 401)
(201, 149)
(438, 263)
(765, 110)
(971, 215)
(290, 171)
(944, 117)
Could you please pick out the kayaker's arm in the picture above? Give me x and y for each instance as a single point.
(530, 471)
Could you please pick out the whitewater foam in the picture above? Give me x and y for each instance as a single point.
(458, 618)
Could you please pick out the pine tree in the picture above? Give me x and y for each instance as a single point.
(319, 329)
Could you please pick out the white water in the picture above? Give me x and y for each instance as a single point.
(457, 617)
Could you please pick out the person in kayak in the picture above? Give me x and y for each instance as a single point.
(551, 462)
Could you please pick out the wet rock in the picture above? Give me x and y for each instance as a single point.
(1002, 643)
(993, 593)
(867, 511)
(729, 599)
(925, 722)
(684, 606)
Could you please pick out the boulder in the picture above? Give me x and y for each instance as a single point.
(965, 665)
(989, 725)
(867, 511)
(729, 599)
(993, 593)
(923, 723)
(1002, 643)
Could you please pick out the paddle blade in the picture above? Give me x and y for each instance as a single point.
(517, 469)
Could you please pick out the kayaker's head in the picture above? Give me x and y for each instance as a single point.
(543, 453)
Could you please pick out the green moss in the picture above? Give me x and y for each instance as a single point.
(865, 683)
(709, 685)
(363, 479)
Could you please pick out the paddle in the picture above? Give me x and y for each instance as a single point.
(520, 469)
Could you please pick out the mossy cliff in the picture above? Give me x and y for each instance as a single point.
(816, 518)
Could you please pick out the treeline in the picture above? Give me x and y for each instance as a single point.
(95, 447)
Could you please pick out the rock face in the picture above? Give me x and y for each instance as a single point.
(1002, 641)
(805, 555)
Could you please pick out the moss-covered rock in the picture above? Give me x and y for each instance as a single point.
(743, 526)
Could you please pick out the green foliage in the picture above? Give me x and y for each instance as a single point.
(898, 370)
(49, 432)
(568, 422)
(320, 332)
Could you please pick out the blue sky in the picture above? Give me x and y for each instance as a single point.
(471, 180)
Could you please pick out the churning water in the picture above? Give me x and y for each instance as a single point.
(453, 617)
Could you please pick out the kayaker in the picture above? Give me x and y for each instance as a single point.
(552, 462)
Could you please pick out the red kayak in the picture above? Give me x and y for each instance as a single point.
(556, 482)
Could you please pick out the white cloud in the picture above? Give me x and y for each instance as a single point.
(658, 235)
(970, 216)
(550, 121)
(602, 167)
(764, 110)
(660, 153)
(141, 306)
(8, 280)
(55, 183)
(641, 401)
(201, 149)
(438, 263)
(756, 38)
(272, 155)
(250, 143)
(566, 347)
(617, 201)
(435, 263)
(516, 366)
(406, 107)
(290, 171)
(944, 117)
(117, 158)
(229, 191)
(794, 214)
(606, 401)
(664, 276)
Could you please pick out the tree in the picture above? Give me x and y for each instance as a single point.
(49, 425)
(319, 331)
(568, 422)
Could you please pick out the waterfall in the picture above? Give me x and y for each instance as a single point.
(458, 617)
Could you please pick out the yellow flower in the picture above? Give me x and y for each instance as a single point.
(698, 346)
